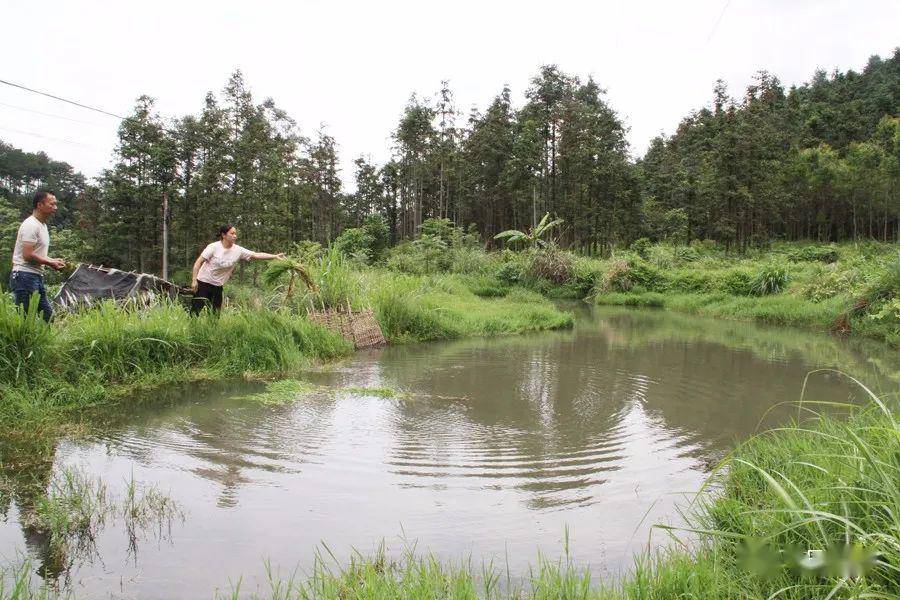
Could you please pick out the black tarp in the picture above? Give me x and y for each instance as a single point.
(89, 284)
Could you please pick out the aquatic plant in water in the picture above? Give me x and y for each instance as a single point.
(284, 391)
(74, 508)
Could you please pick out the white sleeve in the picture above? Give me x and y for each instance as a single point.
(208, 251)
(246, 254)
(30, 233)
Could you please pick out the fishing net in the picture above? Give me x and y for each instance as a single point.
(359, 327)
(90, 284)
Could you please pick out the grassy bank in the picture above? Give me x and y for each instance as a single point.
(846, 289)
(105, 353)
(852, 289)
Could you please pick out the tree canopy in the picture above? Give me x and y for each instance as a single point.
(815, 161)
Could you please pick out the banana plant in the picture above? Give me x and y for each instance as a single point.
(533, 236)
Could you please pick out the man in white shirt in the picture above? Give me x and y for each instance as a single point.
(31, 253)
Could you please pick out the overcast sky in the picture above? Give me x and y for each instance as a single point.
(353, 65)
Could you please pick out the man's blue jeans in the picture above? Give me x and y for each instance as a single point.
(23, 285)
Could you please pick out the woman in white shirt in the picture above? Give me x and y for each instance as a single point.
(214, 267)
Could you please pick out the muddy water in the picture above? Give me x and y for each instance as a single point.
(493, 450)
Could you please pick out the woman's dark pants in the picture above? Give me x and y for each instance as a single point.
(207, 296)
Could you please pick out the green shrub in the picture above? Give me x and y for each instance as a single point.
(886, 285)
(552, 265)
(470, 260)
(306, 251)
(828, 283)
(449, 233)
(377, 228)
(511, 273)
(443, 229)
(769, 279)
(355, 243)
(648, 277)
(692, 281)
(825, 254)
(586, 275)
(640, 246)
(624, 275)
(428, 254)
(738, 282)
(666, 256)
(704, 246)
(617, 279)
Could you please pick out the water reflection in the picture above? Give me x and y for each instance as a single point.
(553, 415)
(234, 444)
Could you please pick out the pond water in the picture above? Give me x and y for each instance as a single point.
(489, 450)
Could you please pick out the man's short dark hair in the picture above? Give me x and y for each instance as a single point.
(41, 196)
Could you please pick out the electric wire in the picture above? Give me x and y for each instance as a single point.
(46, 137)
(38, 112)
(718, 21)
(61, 99)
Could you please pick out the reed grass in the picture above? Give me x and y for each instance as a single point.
(17, 582)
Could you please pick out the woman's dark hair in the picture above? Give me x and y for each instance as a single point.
(222, 231)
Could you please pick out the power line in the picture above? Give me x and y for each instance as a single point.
(46, 137)
(28, 89)
(718, 21)
(99, 110)
(37, 112)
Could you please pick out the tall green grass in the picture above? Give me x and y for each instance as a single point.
(26, 340)
(101, 354)
(444, 307)
(17, 582)
(811, 510)
(787, 285)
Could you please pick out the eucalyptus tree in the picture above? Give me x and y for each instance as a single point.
(131, 213)
(413, 140)
(369, 192)
(446, 152)
(547, 96)
(486, 169)
(389, 181)
(327, 214)
(598, 191)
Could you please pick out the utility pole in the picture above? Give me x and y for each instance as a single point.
(165, 240)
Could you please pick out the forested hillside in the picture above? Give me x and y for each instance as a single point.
(819, 161)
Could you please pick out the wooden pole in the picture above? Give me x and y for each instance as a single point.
(165, 235)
